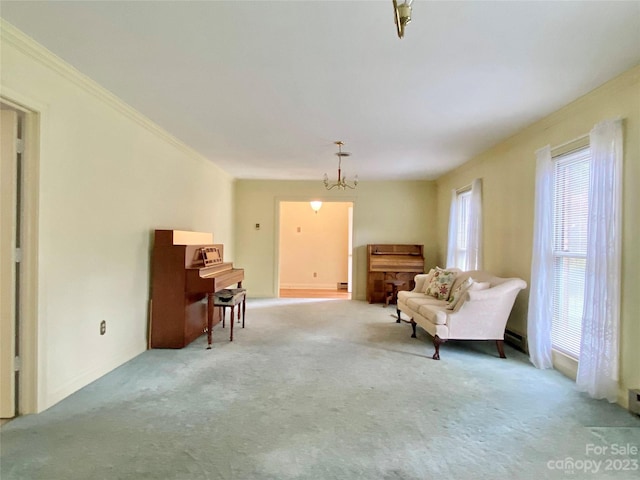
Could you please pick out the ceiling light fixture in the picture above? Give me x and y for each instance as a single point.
(402, 13)
(342, 183)
(315, 205)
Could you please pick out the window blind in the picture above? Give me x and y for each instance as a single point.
(571, 205)
(463, 219)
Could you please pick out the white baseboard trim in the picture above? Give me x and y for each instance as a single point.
(309, 286)
(85, 378)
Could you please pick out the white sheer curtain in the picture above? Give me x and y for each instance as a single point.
(541, 294)
(474, 228)
(598, 363)
(469, 257)
(452, 242)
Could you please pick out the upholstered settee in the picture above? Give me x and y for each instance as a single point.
(480, 312)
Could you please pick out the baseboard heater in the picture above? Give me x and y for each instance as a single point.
(516, 340)
(634, 401)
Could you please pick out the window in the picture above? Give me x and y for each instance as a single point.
(463, 201)
(464, 245)
(570, 217)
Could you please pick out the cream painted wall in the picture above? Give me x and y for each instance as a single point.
(108, 177)
(313, 243)
(384, 212)
(508, 174)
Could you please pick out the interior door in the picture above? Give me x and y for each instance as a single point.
(8, 217)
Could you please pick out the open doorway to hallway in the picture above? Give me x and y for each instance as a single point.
(315, 250)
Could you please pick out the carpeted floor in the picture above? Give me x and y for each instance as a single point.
(324, 389)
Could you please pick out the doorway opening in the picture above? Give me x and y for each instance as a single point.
(315, 250)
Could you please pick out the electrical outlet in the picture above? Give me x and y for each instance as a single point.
(315, 274)
(103, 327)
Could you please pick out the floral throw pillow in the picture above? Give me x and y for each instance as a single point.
(440, 285)
(457, 294)
(427, 281)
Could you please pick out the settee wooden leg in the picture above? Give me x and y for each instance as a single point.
(398, 312)
(437, 341)
(500, 345)
(413, 327)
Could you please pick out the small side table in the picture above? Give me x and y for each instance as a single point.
(393, 295)
(229, 297)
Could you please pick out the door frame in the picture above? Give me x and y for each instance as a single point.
(34, 115)
(276, 233)
(9, 218)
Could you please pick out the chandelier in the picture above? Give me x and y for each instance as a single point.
(402, 13)
(342, 183)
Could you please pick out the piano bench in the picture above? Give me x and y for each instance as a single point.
(229, 297)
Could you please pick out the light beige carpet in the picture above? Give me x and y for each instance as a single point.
(322, 389)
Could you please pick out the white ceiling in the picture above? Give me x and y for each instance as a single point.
(264, 88)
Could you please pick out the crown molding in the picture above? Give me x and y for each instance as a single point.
(11, 35)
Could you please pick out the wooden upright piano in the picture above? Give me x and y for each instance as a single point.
(392, 262)
(186, 270)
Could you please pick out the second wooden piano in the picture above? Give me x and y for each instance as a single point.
(392, 262)
(186, 270)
